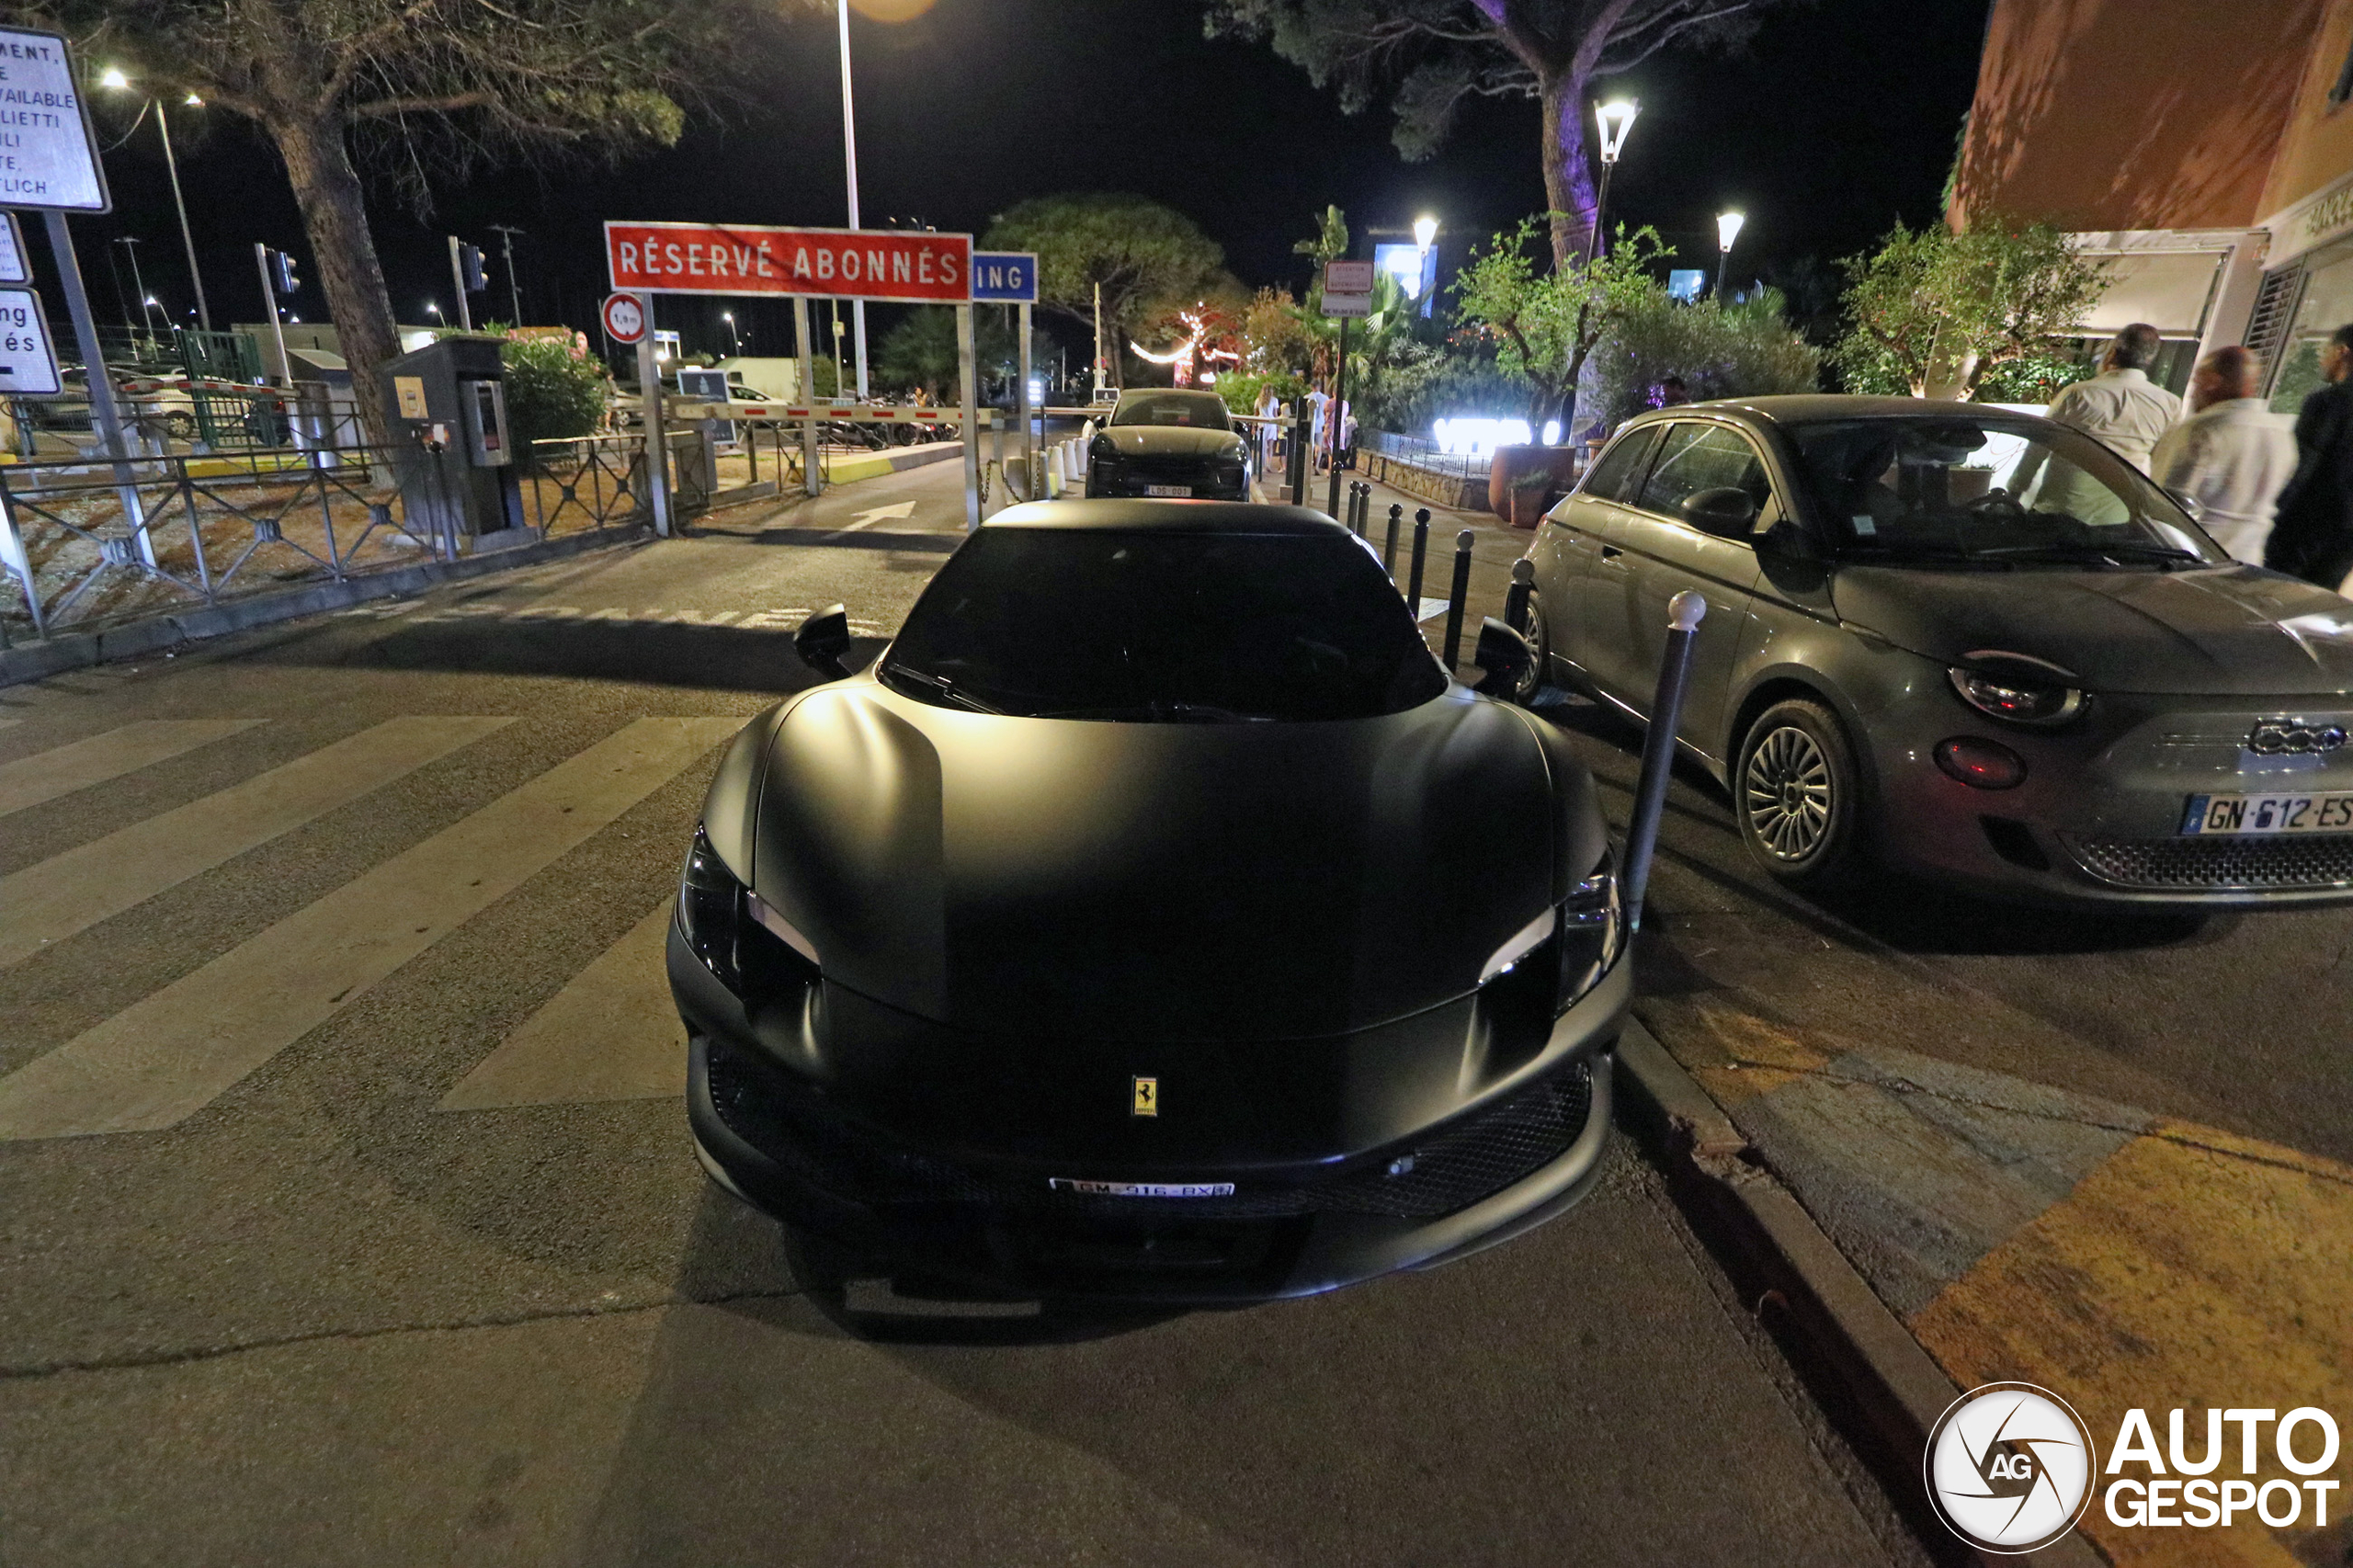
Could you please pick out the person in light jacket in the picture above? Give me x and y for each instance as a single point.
(2232, 457)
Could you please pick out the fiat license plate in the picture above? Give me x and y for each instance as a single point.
(1142, 1188)
(2269, 814)
(1178, 491)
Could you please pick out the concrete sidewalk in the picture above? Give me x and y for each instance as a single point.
(2022, 1232)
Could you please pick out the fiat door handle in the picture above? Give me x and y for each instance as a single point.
(1610, 553)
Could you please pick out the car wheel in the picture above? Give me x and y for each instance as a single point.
(1797, 794)
(1539, 642)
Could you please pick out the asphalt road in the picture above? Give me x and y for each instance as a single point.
(347, 1213)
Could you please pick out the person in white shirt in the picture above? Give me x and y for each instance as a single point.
(1318, 400)
(2122, 409)
(2232, 457)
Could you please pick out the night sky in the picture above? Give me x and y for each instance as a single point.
(1838, 119)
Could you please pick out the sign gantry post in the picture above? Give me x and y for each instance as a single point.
(811, 483)
(1347, 294)
(1010, 277)
(49, 164)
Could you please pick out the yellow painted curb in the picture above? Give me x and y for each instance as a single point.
(2192, 1268)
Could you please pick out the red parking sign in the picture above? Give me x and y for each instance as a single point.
(848, 264)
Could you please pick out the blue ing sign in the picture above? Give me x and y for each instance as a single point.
(1005, 277)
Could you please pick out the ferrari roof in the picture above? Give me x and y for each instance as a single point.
(1167, 516)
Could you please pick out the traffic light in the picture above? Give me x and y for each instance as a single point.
(281, 270)
(470, 268)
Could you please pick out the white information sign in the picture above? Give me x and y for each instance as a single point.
(1348, 305)
(14, 268)
(27, 363)
(48, 157)
(1347, 278)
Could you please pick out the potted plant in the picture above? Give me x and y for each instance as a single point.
(1531, 497)
(1554, 466)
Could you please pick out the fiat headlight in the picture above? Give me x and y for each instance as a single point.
(2016, 696)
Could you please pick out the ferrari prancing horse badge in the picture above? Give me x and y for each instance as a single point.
(1147, 1098)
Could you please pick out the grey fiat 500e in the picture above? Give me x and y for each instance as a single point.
(1156, 918)
(1965, 642)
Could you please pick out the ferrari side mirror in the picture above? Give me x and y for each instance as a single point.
(1504, 657)
(822, 641)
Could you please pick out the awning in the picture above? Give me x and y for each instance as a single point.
(2167, 289)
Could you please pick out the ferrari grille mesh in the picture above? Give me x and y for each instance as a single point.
(2220, 865)
(1452, 1169)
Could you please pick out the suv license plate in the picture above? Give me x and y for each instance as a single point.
(1176, 490)
(2268, 813)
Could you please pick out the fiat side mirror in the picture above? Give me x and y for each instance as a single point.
(822, 641)
(1786, 539)
(1725, 511)
(1504, 657)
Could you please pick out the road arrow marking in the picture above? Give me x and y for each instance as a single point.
(880, 514)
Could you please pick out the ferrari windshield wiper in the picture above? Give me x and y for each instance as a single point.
(946, 690)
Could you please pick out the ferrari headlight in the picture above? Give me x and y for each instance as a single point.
(1593, 930)
(739, 937)
(2016, 697)
(711, 912)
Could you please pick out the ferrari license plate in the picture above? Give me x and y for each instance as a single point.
(1179, 491)
(2269, 814)
(1142, 1188)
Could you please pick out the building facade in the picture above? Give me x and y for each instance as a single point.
(2204, 146)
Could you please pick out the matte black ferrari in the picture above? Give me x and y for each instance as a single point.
(1156, 918)
(1172, 445)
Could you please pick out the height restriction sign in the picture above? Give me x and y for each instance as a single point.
(624, 318)
(48, 157)
(744, 258)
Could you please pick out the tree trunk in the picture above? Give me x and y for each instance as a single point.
(326, 188)
(1568, 183)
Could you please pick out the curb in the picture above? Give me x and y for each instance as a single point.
(78, 651)
(1872, 1379)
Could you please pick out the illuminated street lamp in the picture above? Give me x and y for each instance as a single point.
(1616, 119)
(1424, 232)
(112, 77)
(735, 341)
(1727, 229)
(432, 309)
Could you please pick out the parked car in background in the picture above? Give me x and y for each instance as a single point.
(1156, 919)
(1963, 642)
(1172, 445)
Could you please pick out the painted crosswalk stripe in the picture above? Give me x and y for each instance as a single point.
(611, 1034)
(64, 769)
(170, 1053)
(70, 893)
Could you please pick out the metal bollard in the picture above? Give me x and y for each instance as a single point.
(1389, 551)
(1421, 549)
(1364, 509)
(1299, 467)
(1456, 597)
(1684, 613)
(1523, 586)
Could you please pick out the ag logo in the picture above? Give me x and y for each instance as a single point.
(1144, 1098)
(2009, 1467)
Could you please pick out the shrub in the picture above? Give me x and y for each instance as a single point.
(1742, 349)
(554, 387)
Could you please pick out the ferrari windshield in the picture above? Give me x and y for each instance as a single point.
(1198, 410)
(1987, 490)
(1163, 626)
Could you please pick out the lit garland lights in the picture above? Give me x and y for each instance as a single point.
(1186, 353)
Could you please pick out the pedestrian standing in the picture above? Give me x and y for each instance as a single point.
(2232, 457)
(1269, 410)
(2312, 537)
(1318, 401)
(1673, 393)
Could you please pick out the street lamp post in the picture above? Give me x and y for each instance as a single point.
(514, 295)
(849, 162)
(114, 79)
(1616, 119)
(735, 340)
(138, 285)
(1727, 229)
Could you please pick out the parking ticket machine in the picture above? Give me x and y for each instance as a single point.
(452, 449)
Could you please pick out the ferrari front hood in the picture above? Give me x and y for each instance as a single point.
(1148, 881)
